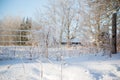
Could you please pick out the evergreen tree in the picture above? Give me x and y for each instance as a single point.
(24, 32)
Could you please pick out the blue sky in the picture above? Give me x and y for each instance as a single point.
(23, 8)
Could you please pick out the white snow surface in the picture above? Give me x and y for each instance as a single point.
(83, 67)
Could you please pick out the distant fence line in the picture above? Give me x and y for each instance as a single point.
(10, 37)
(11, 50)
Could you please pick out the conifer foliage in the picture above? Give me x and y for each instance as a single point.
(24, 32)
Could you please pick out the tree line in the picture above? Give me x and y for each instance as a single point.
(67, 20)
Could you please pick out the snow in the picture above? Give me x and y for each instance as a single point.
(83, 67)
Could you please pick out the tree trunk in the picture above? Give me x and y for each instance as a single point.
(114, 32)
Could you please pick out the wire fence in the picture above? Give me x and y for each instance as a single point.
(9, 48)
(13, 37)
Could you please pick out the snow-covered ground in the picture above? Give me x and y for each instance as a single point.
(84, 67)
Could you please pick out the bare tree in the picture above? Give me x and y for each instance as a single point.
(102, 12)
(61, 16)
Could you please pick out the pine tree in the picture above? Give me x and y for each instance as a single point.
(24, 31)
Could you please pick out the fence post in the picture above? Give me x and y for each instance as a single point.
(114, 33)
